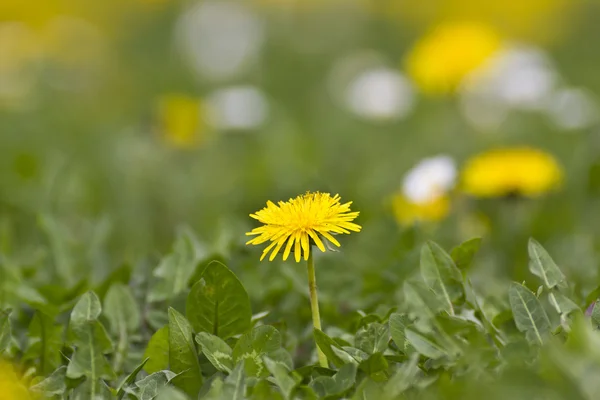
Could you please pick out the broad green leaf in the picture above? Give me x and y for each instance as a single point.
(170, 393)
(216, 350)
(53, 385)
(376, 367)
(218, 303)
(373, 338)
(91, 342)
(149, 387)
(129, 379)
(44, 342)
(398, 324)
(441, 274)
(528, 313)
(565, 304)
(252, 346)
(5, 330)
(327, 346)
(463, 253)
(543, 266)
(91, 390)
(183, 358)
(234, 386)
(175, 269)
(424, 345)
(596, 315)
(285, 380)
(403, 378)
(157, 351)
(264, 390)
(124, 318)
(336, 385)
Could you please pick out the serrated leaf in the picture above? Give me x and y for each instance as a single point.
(53, 385)
(373, 338)
(44, 342)
(260, 341)
(543, 266)
(336, 385)
(121, 310)
(217, 351)
(528, 313)
(463, 253)
(398, 324)
(441, 274)
(157, 351)
(425, 345)
(183, 358)
(218, 303)
(129, 379)
(285, 380)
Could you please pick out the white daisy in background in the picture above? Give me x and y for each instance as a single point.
(380, 94)
(572, 108)
(237, 108)
(220, 39)
(362, 84)
(519, 77)
(430, 179)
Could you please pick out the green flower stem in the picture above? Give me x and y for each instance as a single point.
(314, 304)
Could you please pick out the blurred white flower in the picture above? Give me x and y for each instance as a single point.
(519, 77)
(572, 108)
(380, 94)
(237, 108)
(220, 39)
(430, 179)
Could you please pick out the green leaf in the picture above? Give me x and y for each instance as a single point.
(528, 313)
(425, 345)
(336, 385)
(124, 318)
(53, 385)
(170, 393)
(176, 269)
(44, 343)
(402, 379)
(332, 350)
(183, 358)
(129, 379)
(464, 253)
(217, 351)
(376, 366)
(234, 386)
(5, 330)
(149, 387)
(543, 266)
(373, 338)
(157, 351)
(218, 303)
(285, 380)
(398, 324)
(441, 274)
(596, 315)
(260, 341)
(91, 342)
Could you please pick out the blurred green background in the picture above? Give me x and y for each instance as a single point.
(121, 122)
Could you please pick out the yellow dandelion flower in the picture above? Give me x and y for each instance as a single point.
(300, 221)
(12, 385)
(407, 212)
(440, 60)
(182, 120)
(500, 172)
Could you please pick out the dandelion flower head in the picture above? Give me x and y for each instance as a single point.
(301, 221)
(442, 59)
(13, 386)
(501, 172)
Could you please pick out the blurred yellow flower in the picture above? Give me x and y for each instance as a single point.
(300, 221)
(500, 172)
(12, 386)
(407, 212)
(181, 120)
(439, 61)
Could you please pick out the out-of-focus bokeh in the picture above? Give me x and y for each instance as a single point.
(121, 121)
